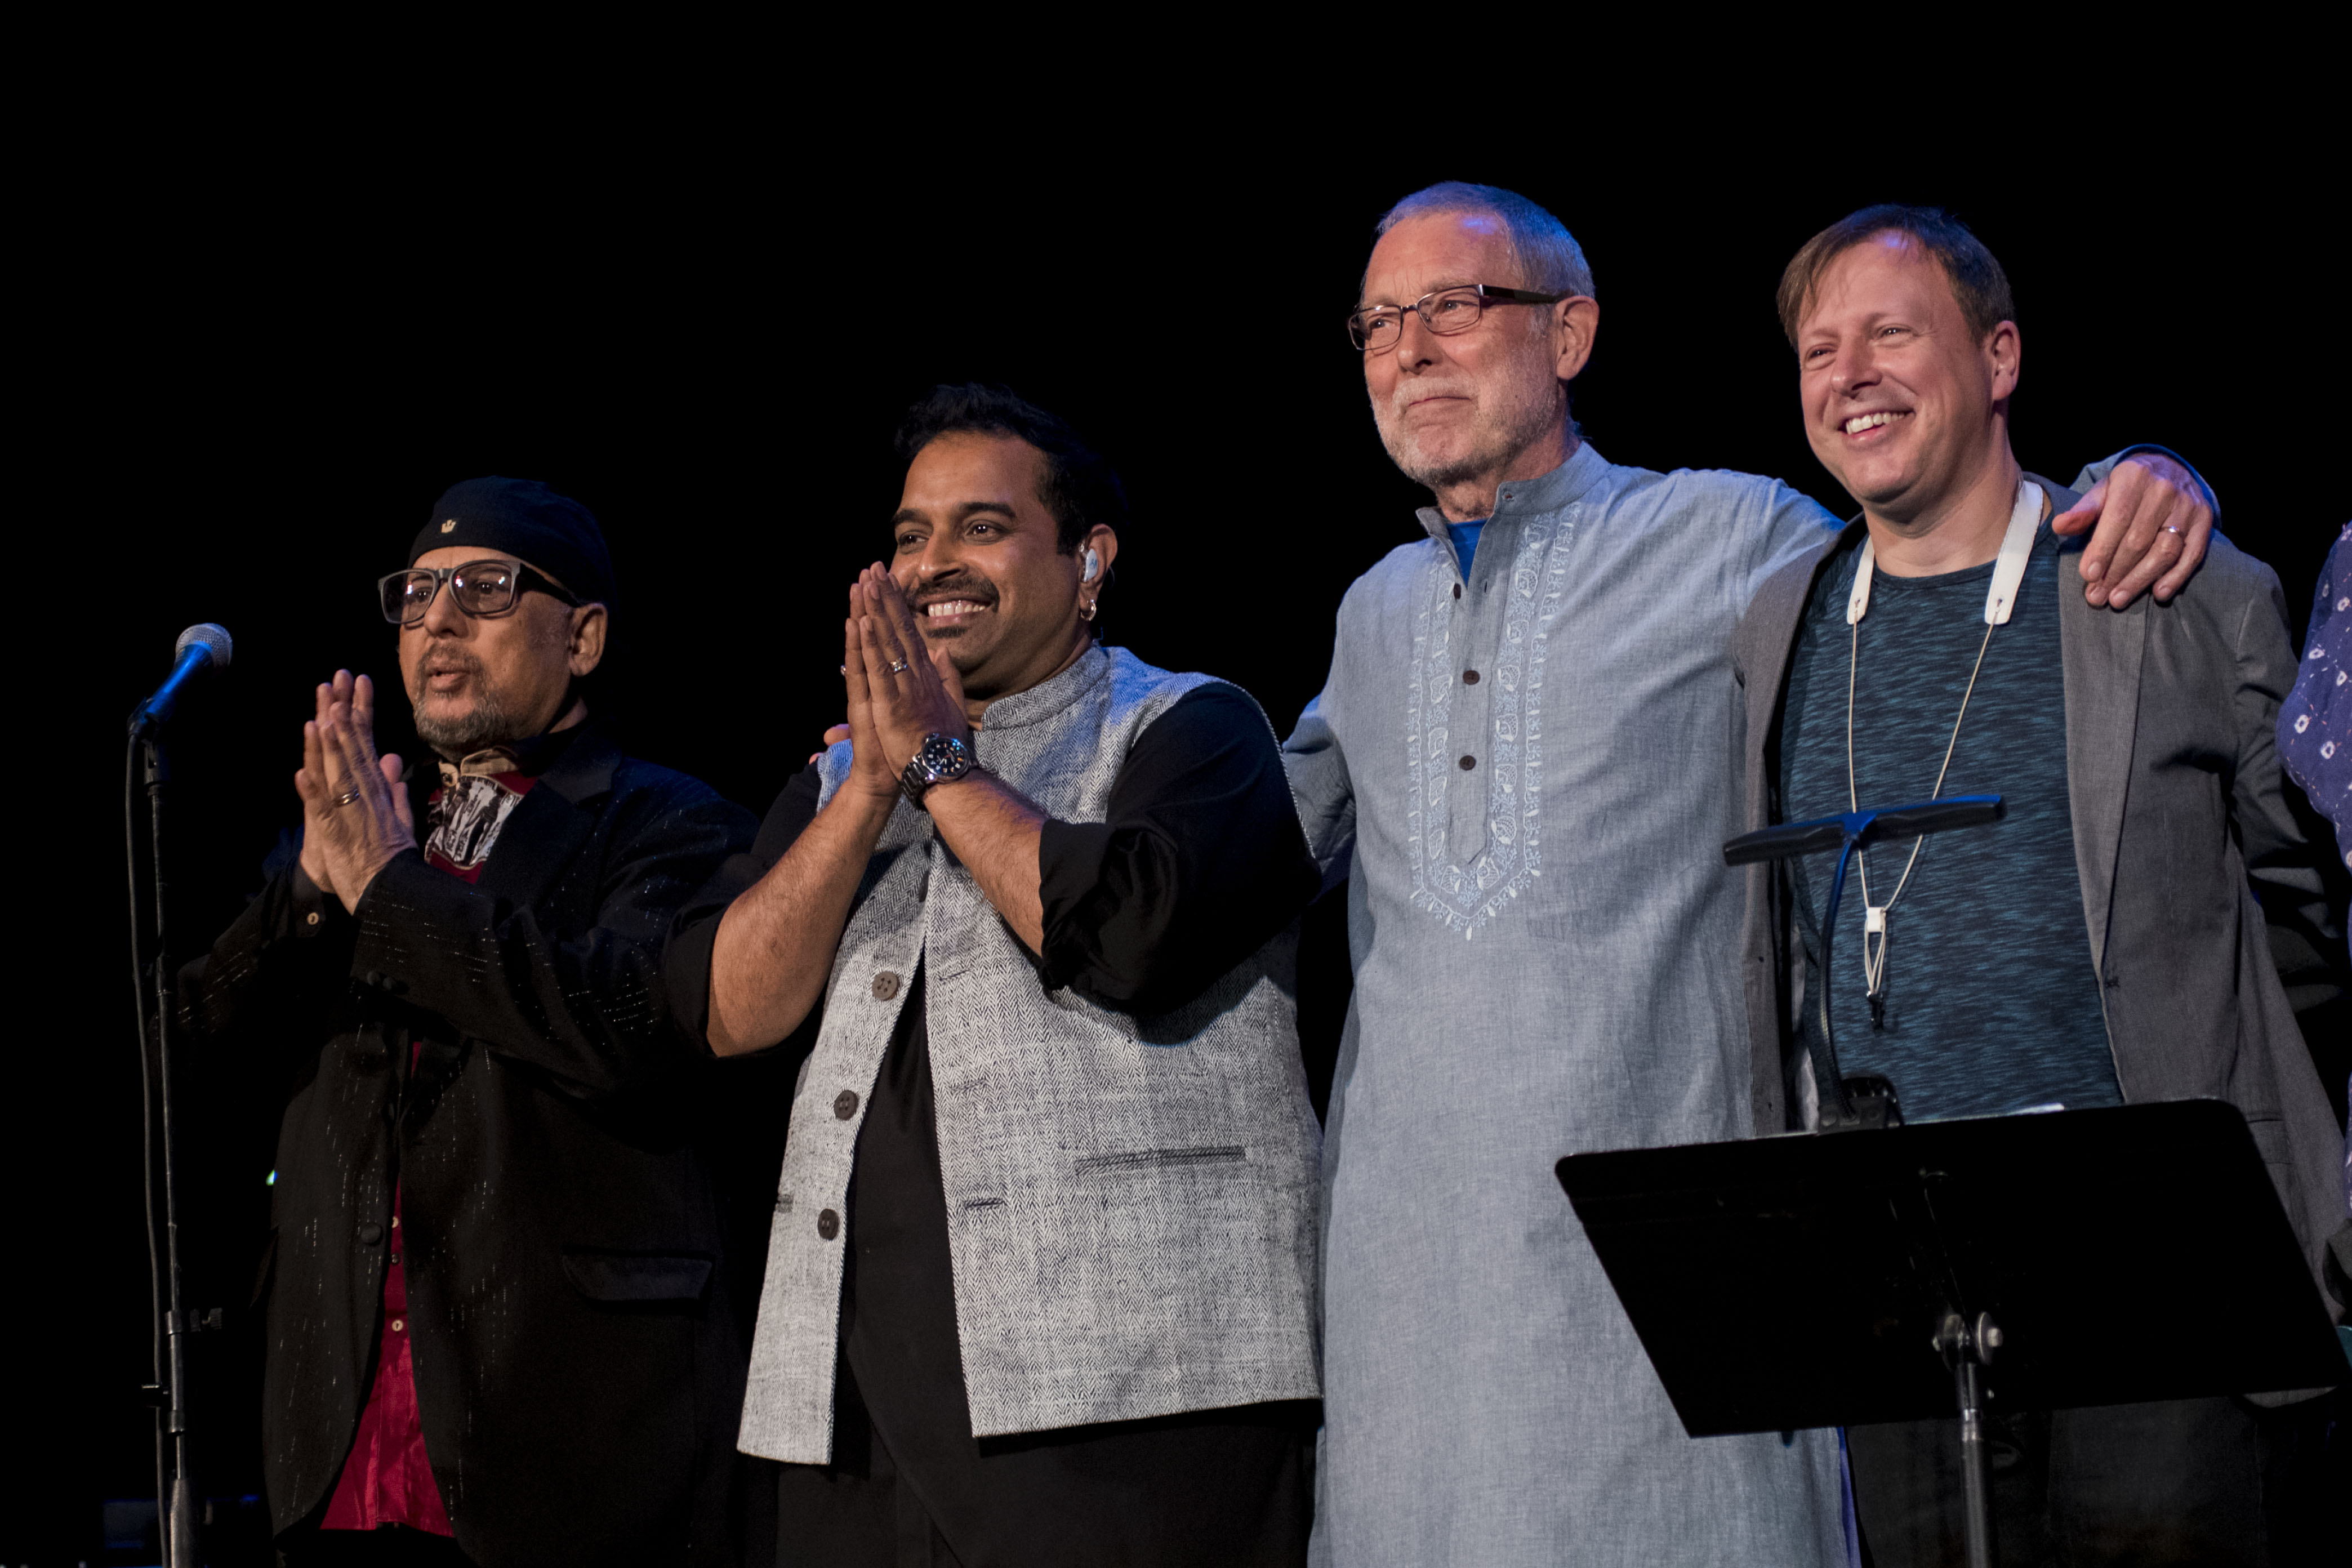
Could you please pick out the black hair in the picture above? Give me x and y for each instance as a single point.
(1079, 487)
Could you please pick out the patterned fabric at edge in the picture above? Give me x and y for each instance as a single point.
(2315, 729)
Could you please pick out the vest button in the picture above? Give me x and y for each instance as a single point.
(1469, 762)
(371, 1234)
(1457, 590)
(845, 1104)
(886, 985)
(828, 1224)
(1469, 678)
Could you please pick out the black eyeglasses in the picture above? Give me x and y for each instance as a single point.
(483, 589)
(1378, 328)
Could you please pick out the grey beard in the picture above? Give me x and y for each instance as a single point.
(1437, 476)
(1513, 430)
(491, 722)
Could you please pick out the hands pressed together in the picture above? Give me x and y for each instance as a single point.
(2153, 521)
(355, 813)
(901, 689)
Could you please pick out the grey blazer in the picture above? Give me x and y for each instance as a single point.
(2184, 847)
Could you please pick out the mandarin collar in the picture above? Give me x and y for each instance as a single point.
(1564, 485)
(1048, 698)
(530, 758)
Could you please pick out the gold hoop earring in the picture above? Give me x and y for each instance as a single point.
(1086, 611)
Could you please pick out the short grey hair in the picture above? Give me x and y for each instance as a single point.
(1549, 257)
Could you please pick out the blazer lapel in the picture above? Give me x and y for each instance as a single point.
(1768, 640)
(1779, 612)
(2100, 650)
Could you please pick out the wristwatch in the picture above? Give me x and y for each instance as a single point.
(942, 758)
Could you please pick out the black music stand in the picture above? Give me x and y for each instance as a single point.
(1800, 1281)
(2085, 1257)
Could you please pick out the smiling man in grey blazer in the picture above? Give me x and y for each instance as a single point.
(2105, 943)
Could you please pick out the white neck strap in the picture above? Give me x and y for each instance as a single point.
(2008, 572)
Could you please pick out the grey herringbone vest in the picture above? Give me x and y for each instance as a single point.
(1131, 1200)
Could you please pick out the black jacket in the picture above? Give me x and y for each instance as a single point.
(577, 1334)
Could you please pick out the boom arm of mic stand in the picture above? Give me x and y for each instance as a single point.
(1845, 833)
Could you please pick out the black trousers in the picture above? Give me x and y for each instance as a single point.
(1218, 1489)
(394, 1546)
(2214, 1482)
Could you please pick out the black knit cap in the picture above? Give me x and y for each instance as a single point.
(524, 519)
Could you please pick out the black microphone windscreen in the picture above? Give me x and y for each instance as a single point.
(210, 636)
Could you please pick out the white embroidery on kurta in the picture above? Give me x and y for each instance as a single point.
(1465, 897)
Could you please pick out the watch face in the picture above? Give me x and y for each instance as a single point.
(941, 756)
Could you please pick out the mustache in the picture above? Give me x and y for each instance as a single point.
(446, 661)
(963, 586)
(1410, 390)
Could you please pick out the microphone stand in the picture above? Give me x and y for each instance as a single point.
(178, 1509)
(1868, 1100)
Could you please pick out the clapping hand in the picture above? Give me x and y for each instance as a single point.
(355, 811)
(901, 689)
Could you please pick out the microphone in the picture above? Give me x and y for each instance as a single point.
(202, 650)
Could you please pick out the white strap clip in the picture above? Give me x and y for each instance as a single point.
(2008, 572)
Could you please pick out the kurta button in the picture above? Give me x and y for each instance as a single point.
(845, 1104)
(398, 1324)
(1469, 762)
(1469, 678)
(370, 1233)
(828, 1224)
(886, 985)
(310, 919)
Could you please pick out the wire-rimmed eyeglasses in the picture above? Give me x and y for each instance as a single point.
(483, 589)
(1378, 328)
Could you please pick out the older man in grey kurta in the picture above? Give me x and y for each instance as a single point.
(1528, 761)
(1521, 762)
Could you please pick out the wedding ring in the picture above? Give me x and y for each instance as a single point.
(2172, 527)
(897, 667)
(348, 796)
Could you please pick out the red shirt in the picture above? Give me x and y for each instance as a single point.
(388, 1480)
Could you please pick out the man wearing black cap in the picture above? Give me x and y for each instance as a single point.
(498, 1308)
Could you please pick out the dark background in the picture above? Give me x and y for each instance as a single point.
(261, 360)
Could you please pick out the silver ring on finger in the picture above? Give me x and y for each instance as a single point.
(2173, 528)
(348, 796)
(897, 667)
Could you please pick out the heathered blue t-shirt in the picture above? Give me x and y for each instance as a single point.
(1992, 1004)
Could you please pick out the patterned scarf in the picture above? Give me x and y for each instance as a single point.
(476, 798)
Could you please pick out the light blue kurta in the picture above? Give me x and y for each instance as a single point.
(1546, 955)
